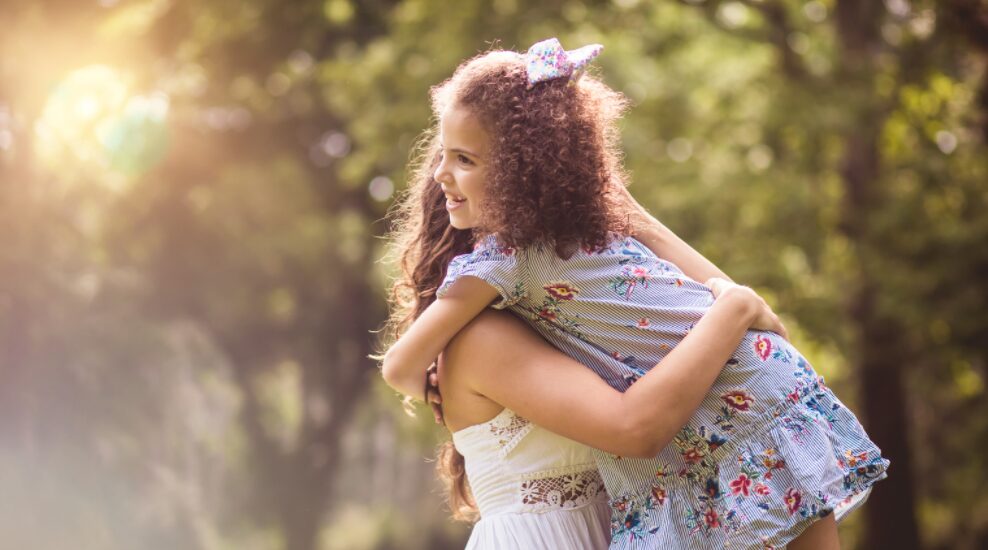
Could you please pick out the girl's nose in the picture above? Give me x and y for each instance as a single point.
(441, 174)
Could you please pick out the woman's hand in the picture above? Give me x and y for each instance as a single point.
(763, 318)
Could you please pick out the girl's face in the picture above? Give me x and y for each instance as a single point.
(463, 166)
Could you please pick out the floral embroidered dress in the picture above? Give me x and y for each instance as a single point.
(770, 449)
(535, 490)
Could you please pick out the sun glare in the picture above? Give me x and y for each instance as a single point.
(93, 126)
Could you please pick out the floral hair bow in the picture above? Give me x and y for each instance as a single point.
(547, 60)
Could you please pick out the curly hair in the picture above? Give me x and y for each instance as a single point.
(554, 152)
(555, 164)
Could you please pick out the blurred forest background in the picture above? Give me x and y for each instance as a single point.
(192, 211)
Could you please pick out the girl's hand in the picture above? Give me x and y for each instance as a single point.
(432, 395)
(763, 317)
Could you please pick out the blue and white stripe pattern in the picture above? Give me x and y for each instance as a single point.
(769, 450)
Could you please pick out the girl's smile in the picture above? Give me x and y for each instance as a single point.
(453, 201)
(463, 165)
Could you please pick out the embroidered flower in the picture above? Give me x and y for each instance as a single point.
(715, 440)
(620, 505)
(763, 347)
(562, 290)
(854, 459)
(793, 499)
(804, 368)
(793, 396)
(741, 485)
(782, 354)
(630, 278)
(554, 498)
(567, 491)
(712, 489)
(573, 483)
(693, 521)
(738, 400)
(692, 456)
(632, 520)
(658, 494)
(710, 518)
(644, 322)
(679, 282)
(771, 463)
(528, 492)
(762, 490)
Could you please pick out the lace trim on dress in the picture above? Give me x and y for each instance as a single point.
(568, 490)
(509, 429)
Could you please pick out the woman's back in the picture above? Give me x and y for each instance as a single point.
(534, 489)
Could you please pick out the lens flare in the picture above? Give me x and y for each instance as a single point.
(93, 126)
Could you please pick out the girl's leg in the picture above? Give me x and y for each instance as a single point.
(822, 535)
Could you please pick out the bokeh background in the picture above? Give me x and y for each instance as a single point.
(193, 200)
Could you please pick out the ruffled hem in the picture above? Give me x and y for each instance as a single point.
(761, 489)
(584, 528)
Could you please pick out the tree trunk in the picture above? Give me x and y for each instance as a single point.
(293, 488)
(891, 508)
(881, 353)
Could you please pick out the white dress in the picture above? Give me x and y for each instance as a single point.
(534, 489)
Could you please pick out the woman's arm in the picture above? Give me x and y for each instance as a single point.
(503, 360)
(405, 362)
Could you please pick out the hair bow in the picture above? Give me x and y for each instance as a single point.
(547, 60)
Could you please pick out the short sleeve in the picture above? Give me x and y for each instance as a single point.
(498, 266)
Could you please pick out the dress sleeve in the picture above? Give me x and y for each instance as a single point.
(496, 265)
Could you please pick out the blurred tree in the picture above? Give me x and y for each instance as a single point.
(883, 56)
(183, 346)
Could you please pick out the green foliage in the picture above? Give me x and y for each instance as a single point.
(184, 323)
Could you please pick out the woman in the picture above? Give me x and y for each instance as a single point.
(522, 412)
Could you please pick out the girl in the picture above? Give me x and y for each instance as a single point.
(527, 158)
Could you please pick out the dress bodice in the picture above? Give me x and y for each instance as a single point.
(516, 467)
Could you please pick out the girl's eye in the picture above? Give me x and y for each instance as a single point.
(464, 159)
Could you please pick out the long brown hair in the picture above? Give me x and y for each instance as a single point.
(555, 164)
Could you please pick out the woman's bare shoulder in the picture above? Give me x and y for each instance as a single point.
(491, 330)
(469, 357)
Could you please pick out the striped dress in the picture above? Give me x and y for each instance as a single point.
(769, 450)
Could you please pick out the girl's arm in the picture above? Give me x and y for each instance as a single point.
(405, 362)
(498, 357)
(666, 244)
